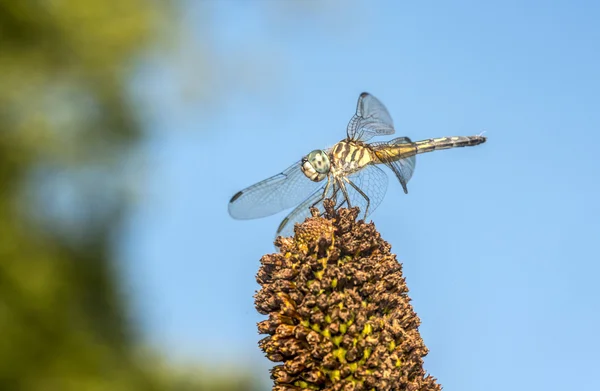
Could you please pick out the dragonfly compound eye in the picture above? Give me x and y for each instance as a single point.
(316, 165)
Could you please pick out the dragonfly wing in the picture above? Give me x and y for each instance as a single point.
(372, 181)
(279, 192)
(302, 211)
(403, 168)
(371, 119)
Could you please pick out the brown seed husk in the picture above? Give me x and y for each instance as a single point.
(339, 316)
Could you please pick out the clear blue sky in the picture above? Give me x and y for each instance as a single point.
(499, 242)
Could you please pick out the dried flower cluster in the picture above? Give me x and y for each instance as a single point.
(339, 313)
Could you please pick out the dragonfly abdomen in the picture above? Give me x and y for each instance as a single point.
(434, 144)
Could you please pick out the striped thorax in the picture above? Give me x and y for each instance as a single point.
(350, 156)
(345, 158)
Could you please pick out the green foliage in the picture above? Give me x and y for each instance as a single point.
(65, 117)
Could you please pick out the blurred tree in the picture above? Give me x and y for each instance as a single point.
(67, 126)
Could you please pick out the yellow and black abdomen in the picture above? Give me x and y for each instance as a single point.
(434, 144)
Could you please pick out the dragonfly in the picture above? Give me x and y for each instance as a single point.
(349, 172)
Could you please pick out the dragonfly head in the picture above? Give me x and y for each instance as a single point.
(316, 165)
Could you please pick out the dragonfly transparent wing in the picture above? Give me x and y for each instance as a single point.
(279, 192)
(371, 180)
(371, 119)
(403, 168)
(302, 211)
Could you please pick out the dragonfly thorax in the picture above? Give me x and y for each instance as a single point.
(316, 165)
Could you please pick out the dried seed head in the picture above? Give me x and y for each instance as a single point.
(339, 316)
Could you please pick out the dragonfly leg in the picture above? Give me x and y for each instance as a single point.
(333, 195)
(362, 194)
(334, 198)
(324, 192)
(345, 192)
(341, 204)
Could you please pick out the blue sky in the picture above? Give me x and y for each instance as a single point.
(498, 241)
